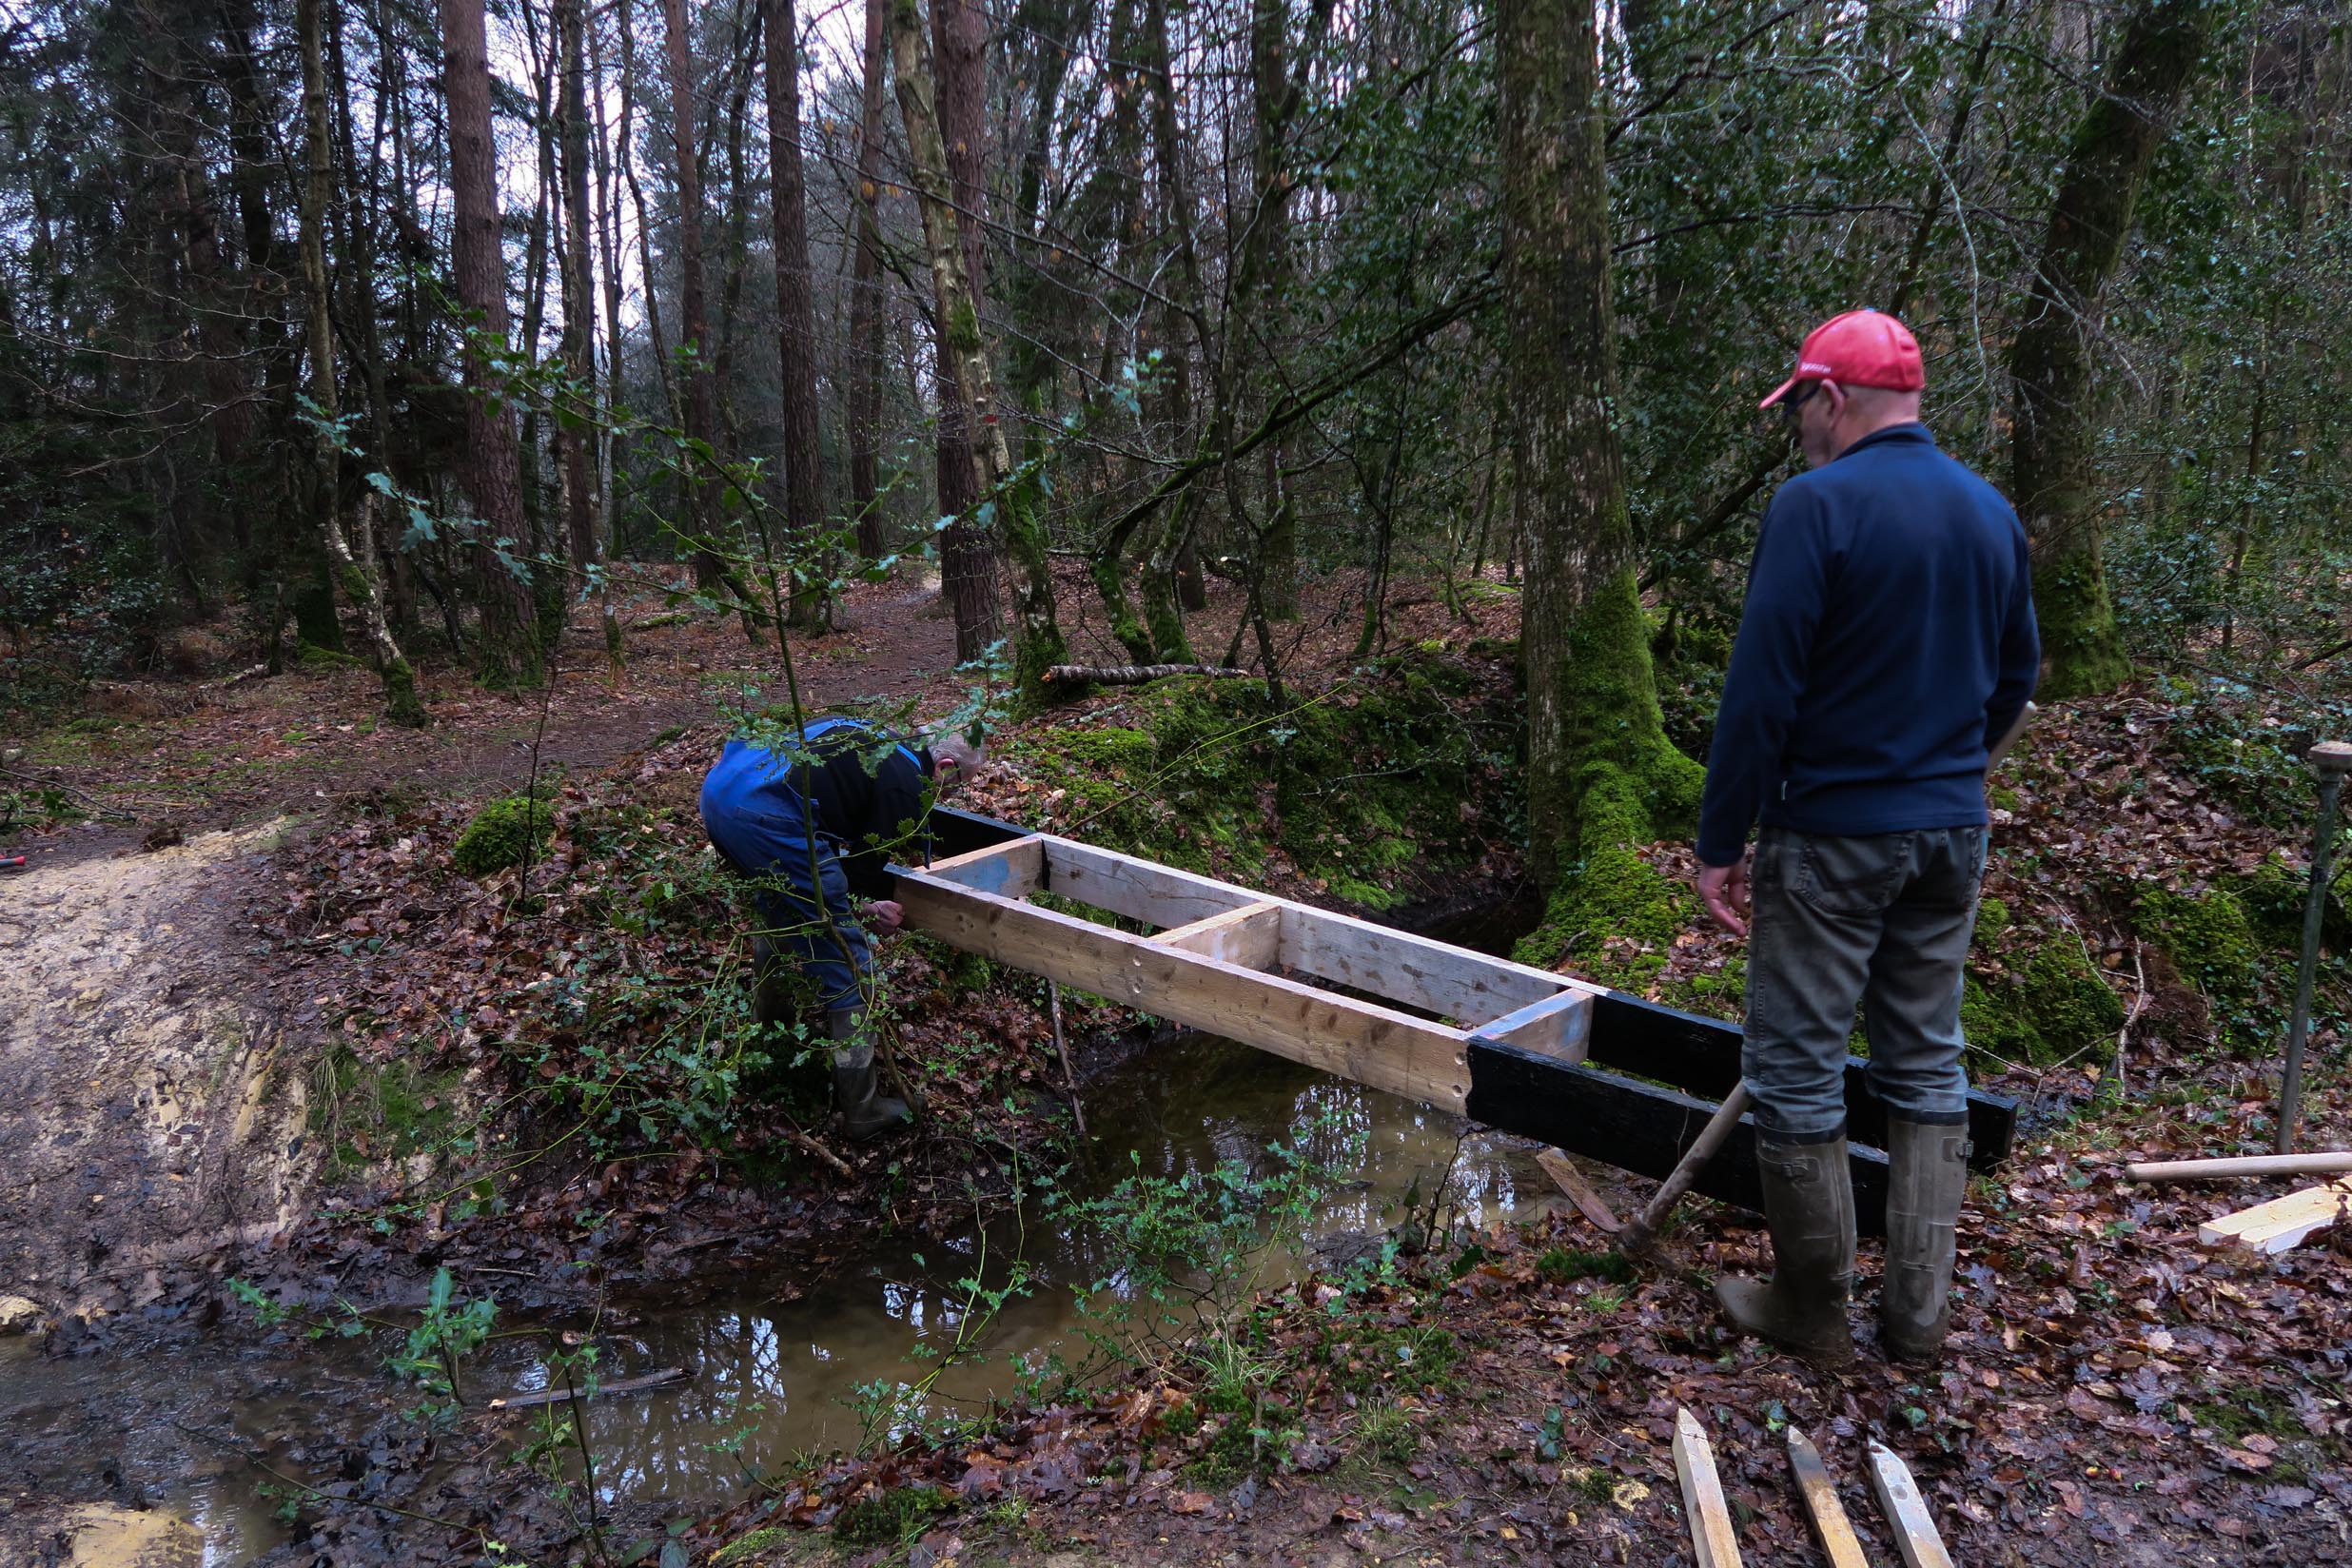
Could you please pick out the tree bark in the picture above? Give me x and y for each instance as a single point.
(975, 459)
(693, 325)
(867, 349)
(795, 307)
(489, 470)
(1603, 778)
(357, 567)
(2054, 431)
(583, 498)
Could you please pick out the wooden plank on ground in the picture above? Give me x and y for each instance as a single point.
(1009, 871)
(1250, 937)
(1636, 1127)
(1700, 1056)
(1361, 1041)
(1713, 1544)
(1829, 1523)
(954, 832)
(1570, 1180)
(1557, 1025)
(2282, 1223)
(1906, 1509)
(1141, 889)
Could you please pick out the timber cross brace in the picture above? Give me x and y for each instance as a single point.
(1591, 1071)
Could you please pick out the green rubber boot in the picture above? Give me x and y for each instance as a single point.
(1808, 1207)
(866, 1111)
(1927, 1176)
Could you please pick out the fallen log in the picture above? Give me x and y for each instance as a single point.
(2250, 1165)
(1135, 674)
(607, 1390)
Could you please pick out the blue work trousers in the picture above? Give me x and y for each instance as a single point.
(797, 882)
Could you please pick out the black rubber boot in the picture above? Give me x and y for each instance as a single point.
(1809, 1205)
(866, 1111)
(1927, 1176)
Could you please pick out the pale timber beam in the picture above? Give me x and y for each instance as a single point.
(1141, 889)
(1418, 970)
(1559, 1025)
(1250, 937)
(1370, 1044)
(1009, 871)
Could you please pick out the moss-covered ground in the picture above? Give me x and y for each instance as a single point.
(1369, 790)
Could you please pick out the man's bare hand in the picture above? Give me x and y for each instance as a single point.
(1724, 891)
(884, 914)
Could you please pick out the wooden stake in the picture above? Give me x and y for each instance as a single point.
(1643, 1231)
(1570, 1180)
(1712, 1542)
(2251, 1165)
(1906, 1509)
(1829, 1516)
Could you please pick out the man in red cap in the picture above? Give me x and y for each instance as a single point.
(1886, 645)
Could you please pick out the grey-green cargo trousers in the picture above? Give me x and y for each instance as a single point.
(1882, 920)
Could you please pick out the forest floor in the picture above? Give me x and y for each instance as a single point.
(258, 1030)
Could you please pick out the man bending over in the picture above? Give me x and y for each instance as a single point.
(815, 827)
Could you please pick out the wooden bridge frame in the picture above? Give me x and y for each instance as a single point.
(1547, 1056)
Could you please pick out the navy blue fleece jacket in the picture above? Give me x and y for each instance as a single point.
(1886, 643)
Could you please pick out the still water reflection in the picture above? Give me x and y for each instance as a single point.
(771, 1379)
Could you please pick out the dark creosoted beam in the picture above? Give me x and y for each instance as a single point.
(1700, 1056)
(1636, 1126)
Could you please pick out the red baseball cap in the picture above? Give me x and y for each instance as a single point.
(1859, 349)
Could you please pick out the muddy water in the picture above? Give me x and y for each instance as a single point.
(768, 1378)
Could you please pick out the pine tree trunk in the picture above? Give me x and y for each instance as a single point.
(867, 349)
(2050, 368)
(583, 498)
(1603, 778)
(795, 307)
(489, 470)
(356, 568)
(694, 334)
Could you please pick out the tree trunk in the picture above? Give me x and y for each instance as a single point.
(867, 349)
(693, 325)
(1603, 778)
(488, 470)
(975, 457)
(795, 307)
(356, 567)
(583, 498)
(1270, 106)
(2054, 427)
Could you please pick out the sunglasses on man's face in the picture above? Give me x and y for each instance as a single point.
(1797, 400)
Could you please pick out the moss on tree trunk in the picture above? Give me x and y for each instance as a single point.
(1602, 777)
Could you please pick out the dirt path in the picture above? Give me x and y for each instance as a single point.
(153, 1065)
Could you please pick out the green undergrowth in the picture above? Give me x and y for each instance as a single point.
(369, 1113)
(2052, 1007)
(1403, 769)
